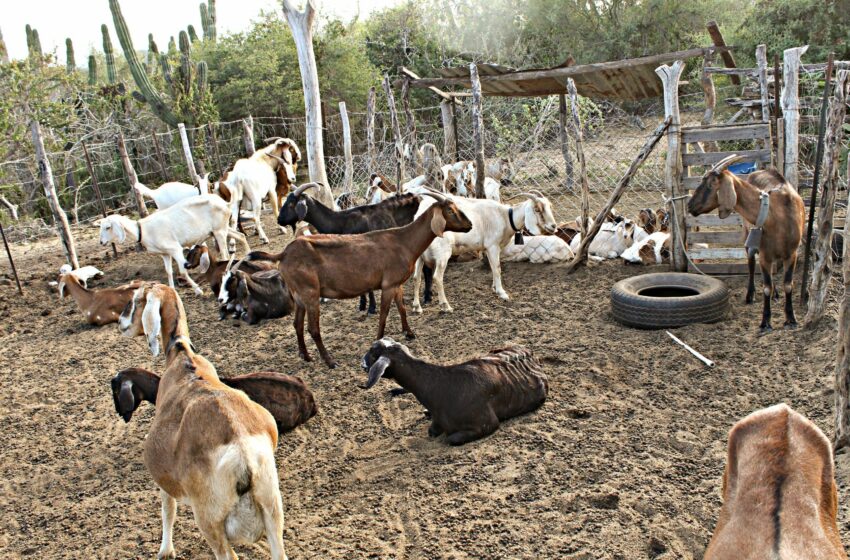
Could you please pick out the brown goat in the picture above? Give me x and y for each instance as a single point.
(332, 266)
(782, 231)
(101, 307)
(779, 494)
(213, 272)
(648, 220)
(286, 397)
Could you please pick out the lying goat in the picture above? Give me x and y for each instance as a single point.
(655, 249)
(100, 307)
(779, 494)
(467, 400)
(286, 397)
(261, 295)
(538, 249)
(213, 273)
(612, 239)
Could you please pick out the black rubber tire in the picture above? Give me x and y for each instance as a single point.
(709, 305)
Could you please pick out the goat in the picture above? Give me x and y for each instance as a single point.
(662, 218)
(655, 249)
(169, 194)
(394, 212)
(379, 188)
(346, 200)
(346, 266)
(167, 231)
(612, 239)
(100, 307)
(467, 401)
(229, 300)
(83, 274)
(493, 226)
(208, 445)
(262, 295)
(255, 178)
(782, 229)
(286, 397)
(214, 272)
(779, 493)
(648, 220)
(538, 249)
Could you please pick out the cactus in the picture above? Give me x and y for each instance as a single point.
(185, 45)
(34, 53)
(172, 46)
(208, 20)
(36, 45)
(4, 53)
(202, 79)
(28, 29)
(108, 54)
(70, 62)
(193, 35)
(92, 70)
(153, 55)
(212, 16)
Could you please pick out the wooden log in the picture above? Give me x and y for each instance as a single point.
(59, 217)
(842, 361)
(187, 155)
(717, 39)
(370, 131)
(822, 267)
(447, 113)
(748, 72)
(409, 129)
(578, 135)
(96, 186)
(11, 261)
(564, 134)
(348, 180)
(477, 130)
(248, 135)
(580, 257)
(399, 146)
(160, 159)
(451, 97)
(13, 208)
(710, 94)
(673, 168)
(130, 173)
(791, 112)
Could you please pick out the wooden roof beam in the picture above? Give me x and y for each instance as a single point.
(414, 77)
(717, 38)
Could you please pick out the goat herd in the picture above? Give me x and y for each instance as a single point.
(211, 442)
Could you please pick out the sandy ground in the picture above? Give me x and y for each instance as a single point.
(623, 461)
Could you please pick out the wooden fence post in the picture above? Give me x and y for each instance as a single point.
(778, 124)
(59, 217)
(96, 186)
(761, 63)
(791, 112)
(214, 142)
(410, 128)
(842, 362)
(477, 130)
(673, 169)
(187, 154)
(348, 181)
(447, 113)
(11, 261)
(132, 178)
(399, 146)
(565, 141)
(159, 158)
(248, 130)
(370, 131)
(578, 135)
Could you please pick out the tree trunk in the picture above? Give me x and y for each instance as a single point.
(673, 169)
(565, 141)
(447, 112)
(791, 112)
(348, 181)
(707, 83)
(410, 150)
(187, 155)
(132, 178)
(582, 166)
(370, 131)
(248, 135)
(399, 145)
(477, 130)
(842, 362)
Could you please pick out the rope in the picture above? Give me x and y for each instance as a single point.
(669, 202)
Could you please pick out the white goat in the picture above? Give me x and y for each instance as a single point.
(379, 189)
(538, 249)
(169, 194)
(655, 249)
(255, 178)
(612, 239)
(493, 226)
(168, 231)
(83, 274)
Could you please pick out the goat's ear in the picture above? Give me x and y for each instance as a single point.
(377, 371)
(301, 209)
(438, 222)
(126, 402)
(119, 232)
(152, 322)
(726, 197)
(204, 265)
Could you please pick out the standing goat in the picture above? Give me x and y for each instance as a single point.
(769, 202)
(100, 307)
(169, 194)
(346, 266)
(209, 445)
(779, 494)
(467, 401)
(168, 231)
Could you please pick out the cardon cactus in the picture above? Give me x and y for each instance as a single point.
(4, 53)
(202, 79)
(28, 30)
(70, 62)
(172, 45)
(193, 35)
(153, 55)
(92, 70)
(108, 54)
(208, 20)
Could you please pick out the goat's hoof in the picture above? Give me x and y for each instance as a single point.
(305, 356)
(791, 325)
(199, 292)
(331, 365)
(163, 554)
(504, 296)
(417, 308)
(446, 308)
(264, 241)
(409, 335)
(749, 299)
(397, 392)
(765, 330)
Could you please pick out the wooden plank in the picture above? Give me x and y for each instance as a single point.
(718, 253)
(721, 269)
(446, 96)
(692, 183)
(710, 158)
(756, 131)
(731, 71)
(717, 237)
(717, 39)
(713, 220)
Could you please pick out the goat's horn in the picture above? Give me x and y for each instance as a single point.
(272, 139)
(278, 158)
(725, 162)
(230, 262)
(435, 195)
(525, 194)
(300, 190)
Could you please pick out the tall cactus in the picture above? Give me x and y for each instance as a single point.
(202, 79)
(4, 53)
(28, 30)
(152, 56)
(70, 62)
(208, 20)
(109, 55)
(172, 46)
(34, 54)
(193, 35)
(36, 45)
(92, 70)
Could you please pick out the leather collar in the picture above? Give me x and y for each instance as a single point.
(511, 219)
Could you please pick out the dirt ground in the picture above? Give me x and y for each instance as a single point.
(623, 461)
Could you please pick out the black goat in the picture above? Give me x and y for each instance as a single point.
(393, 212)
(286, 397)
(262, 295)
(468, 400)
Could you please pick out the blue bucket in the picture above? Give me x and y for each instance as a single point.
(742, 168)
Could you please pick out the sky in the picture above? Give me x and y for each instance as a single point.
(81, 20)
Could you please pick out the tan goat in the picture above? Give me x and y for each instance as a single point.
(100, 307)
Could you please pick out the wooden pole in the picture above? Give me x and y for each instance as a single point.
(791, 112)
(728, 59)
(578, 135)
(370, 131)
(822, 270)
(842, 362)
(410, 128)
(710, 93)
(673, 169)
(214, 142)
(778, 158)
(565, 141)
(477, 130)
(132, 178)
(399, 146)
(187, 154)
(11, 262)
(248, 134)
(159, 158)
(447, 113)
(96, 186)
(581, 254)
(13, 208)
(348, 181)
(59, 217)
(824, 109)
(761, 62)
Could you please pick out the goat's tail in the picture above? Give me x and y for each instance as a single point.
(143, 190)
(264, 256)
(244, 523)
